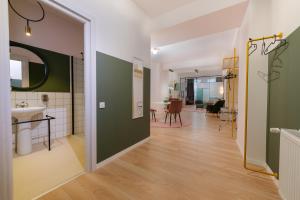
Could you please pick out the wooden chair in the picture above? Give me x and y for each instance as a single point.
(174, 109)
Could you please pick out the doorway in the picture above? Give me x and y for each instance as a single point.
(89, 97)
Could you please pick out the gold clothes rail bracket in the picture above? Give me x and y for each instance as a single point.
(250, 41)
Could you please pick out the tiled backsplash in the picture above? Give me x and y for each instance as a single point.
(59, 106)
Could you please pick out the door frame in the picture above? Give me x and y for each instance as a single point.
(6, 151)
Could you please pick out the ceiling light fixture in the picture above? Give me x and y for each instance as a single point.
(155, 51)
(27, 27)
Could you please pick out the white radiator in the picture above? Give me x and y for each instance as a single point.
(289, 168)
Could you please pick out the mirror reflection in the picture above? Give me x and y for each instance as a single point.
(27, 70)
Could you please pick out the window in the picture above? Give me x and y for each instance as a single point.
(16, 69)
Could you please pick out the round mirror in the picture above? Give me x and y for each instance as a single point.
(28, 70)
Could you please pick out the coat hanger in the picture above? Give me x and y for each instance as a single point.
(280, 42)
(252, 45)
(269, 77)
(276, 60)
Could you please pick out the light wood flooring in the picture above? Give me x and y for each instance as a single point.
(191, 163)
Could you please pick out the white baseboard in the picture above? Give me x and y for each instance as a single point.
(59, 185)
(257, 162)
(110, 159)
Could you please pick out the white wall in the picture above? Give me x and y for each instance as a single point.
(263, 18)
(160, 81)
(122, 29)
(285, 15)
(155, 82)
(256, 24)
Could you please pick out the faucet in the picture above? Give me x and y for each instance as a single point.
(23, 104)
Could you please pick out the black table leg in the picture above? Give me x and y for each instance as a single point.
(49, 136)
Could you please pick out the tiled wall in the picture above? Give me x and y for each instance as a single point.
(79, 95)
(59, 106)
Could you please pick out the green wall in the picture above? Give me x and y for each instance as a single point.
(59, 70)
(36, 71)
(283, 95)
(116, 130)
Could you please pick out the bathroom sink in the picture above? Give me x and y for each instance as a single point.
(27, 112)
(24, 139)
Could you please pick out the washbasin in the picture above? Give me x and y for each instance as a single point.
(24, 139)
(27, 112)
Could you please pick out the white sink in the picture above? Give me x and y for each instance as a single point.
(26, 113)
(24, 142)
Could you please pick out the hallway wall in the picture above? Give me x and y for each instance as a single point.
(121, 29)
(116, 128)
(262, 18)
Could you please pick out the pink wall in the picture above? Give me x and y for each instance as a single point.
(56, 32)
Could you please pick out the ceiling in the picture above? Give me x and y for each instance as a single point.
(154, 8)
(201, 42)
(198, 53)
(212, 23)
(21, 6)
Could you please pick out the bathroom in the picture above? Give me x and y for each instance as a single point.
(47, 96)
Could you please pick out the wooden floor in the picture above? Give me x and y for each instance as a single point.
(196, 162)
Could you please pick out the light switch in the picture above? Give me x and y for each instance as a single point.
(101, 105)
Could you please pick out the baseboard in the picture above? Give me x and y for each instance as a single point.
(257, 162)
(110, 159)
(59, 185)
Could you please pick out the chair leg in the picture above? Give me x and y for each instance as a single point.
(170, 119)
(166, 117)
(180, 119)
(154, 116)
(175, 116)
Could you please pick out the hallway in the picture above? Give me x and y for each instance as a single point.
(196, 162)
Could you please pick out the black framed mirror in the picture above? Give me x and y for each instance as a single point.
(28, 69)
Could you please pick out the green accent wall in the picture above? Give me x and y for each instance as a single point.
(283, 95)
(116, 130)
(59, 70)
(36, 71)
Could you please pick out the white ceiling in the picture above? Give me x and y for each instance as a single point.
(215, 22)
(155, 8)
(193, 10)
(198, 53)
(202, 42)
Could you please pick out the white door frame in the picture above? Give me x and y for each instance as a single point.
(6, 185)
(5, 107)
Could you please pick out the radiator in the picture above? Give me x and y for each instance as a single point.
(289, 168)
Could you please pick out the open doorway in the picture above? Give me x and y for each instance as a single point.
(47, 97)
